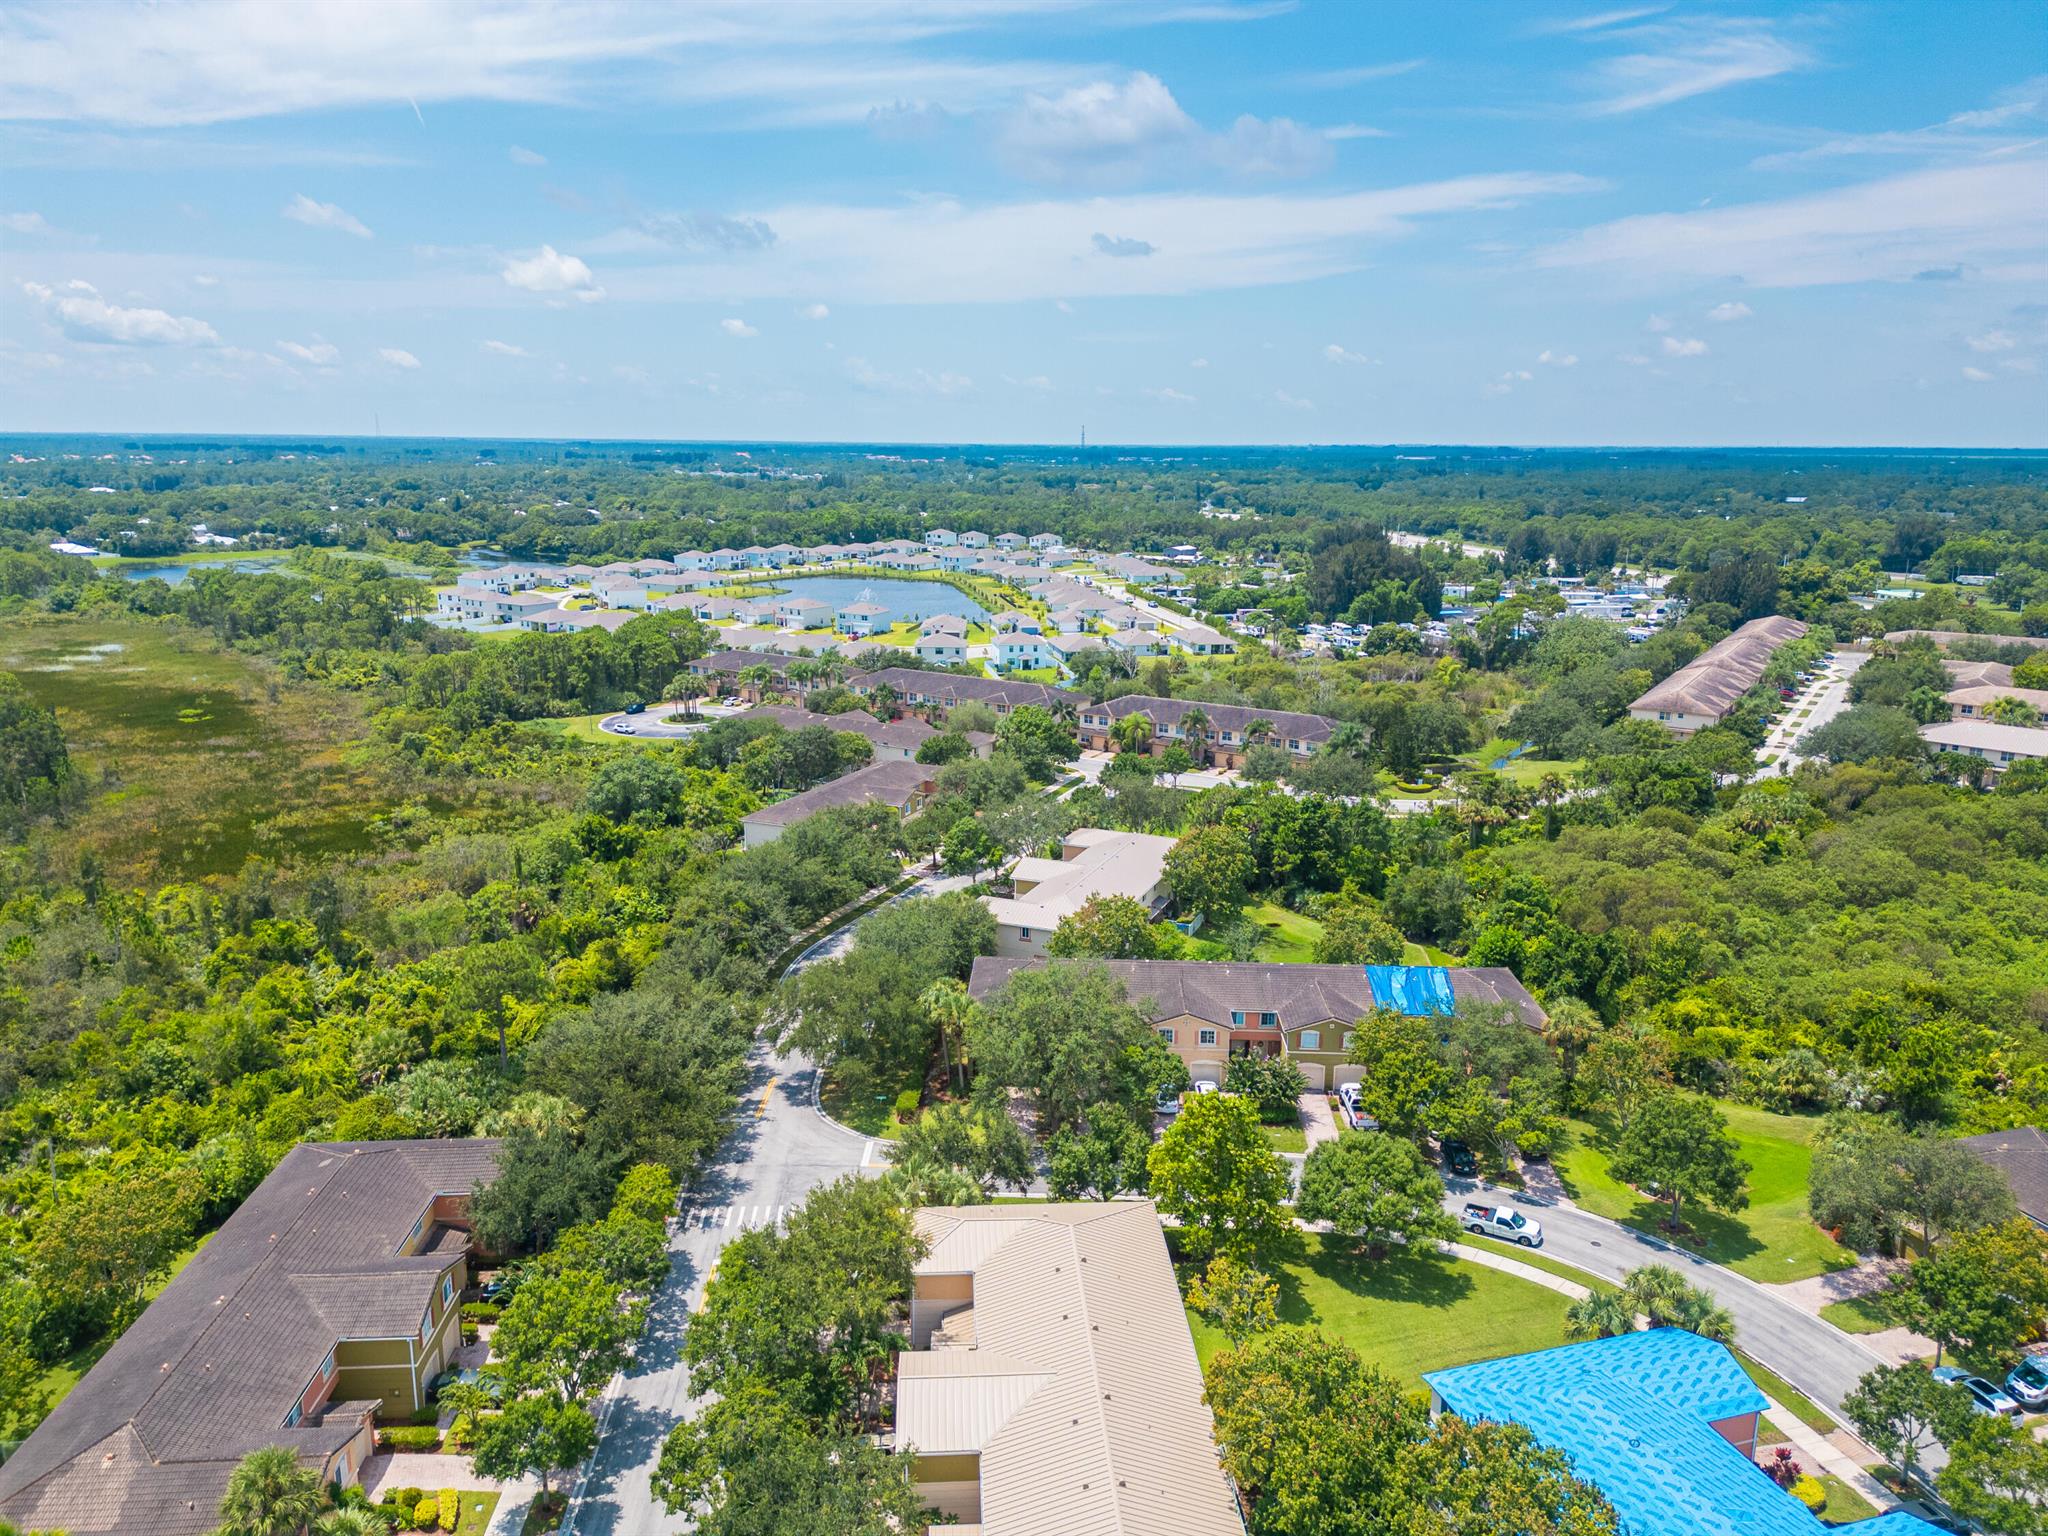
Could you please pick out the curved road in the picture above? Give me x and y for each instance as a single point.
(1816, 1357)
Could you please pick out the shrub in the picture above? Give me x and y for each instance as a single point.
(409, 1437)
(451, 1507)
(906, 1105)
(482, 1311)
(1809, 1492)
(426, 1515)
(409, 1497)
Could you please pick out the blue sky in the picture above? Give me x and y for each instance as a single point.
(1180, 222)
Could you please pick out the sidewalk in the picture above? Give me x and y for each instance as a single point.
(1817, 1450)
(1896, 1345)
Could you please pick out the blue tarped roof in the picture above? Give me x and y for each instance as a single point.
(1411, 989)
(1635, 1414)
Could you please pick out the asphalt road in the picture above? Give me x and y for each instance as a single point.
(1816, 1357)
(1828, 696)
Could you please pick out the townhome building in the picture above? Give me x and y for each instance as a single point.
(945, 690)
(1227, 732)
(332, 1295)
(1093, 863)
(1207, 1011)
(1975, 703)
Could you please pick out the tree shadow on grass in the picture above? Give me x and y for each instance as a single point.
(1415, 1279)
(1709, 1234)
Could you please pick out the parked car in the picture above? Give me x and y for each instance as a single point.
(1168, 1101)
(1984, 1397)
(1459, 1160)
(2028, 1383)
(1208, 1087)
(636, 707)
(1497, 1221)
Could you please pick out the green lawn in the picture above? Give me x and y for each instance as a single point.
(873, 1114)
(1527, 772)
(1411, 1313)
(1787, 1396)
(1773, 1239)
(478, 1505)
(1290, 937)
(1536, 1260)
(1286, 1138)
(1844, 1504)
(1859, 1314)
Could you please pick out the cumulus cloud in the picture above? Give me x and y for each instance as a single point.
(1558, 359)
(1293, 402)
(505, 349)
(80, 313)
(1200, 362)
(1506, 383)
(1733, 309)
(814, 312)
(519, 154)
(734, 326)
(24, 224)
(1682, 346)
(918, 381)
(1977, 375)
(1171, 396)
(304, 210)
(1121, 245)
(1117, 131)
(398, 357)
(1340, 354)
(549, 271)
(321, 354)
(1992, 341)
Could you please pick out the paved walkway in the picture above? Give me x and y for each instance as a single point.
(1317, 1119)
(1896, 1345)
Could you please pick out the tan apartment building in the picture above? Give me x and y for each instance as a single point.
(1705, 689)
(330, 1297)
(1208, 1011)
(1092, 862)
(1974, 702)
(1223, 736)
(1051, 1387)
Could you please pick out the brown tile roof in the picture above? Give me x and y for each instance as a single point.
(1287, 724)
(1211, 990)
(892, 783)
(1711, 682)
(2022, 1156)
(949, 688)
(208, 1372)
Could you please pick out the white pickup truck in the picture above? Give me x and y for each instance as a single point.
(1497, 1221)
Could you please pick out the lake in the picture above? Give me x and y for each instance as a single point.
(905, 600)
(176, 573)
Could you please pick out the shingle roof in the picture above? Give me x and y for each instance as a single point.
(949, 688)
(1081, 1392)
(2022, 1156)
(891, 783)
(1212, 990)
(1635, 1414)
(1222, 717)
(145, 1442)
(1988, 736)
(1711, 682)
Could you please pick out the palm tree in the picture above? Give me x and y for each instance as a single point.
(1194, 725)
(1133, 733)
(270, 1494)
(356, 1520)
(1699, 1313)
(1599, 1315)
(1258, 732)
(946, 1004)
(1658, 1291)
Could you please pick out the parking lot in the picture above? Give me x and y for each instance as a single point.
(1825, 696)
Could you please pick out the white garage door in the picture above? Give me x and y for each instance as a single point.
(1346, 1074)
(1312, 1073)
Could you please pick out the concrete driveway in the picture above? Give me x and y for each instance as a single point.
(1826, 697)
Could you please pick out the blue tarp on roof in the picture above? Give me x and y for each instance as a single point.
(1412, 989)
(1635, 1414)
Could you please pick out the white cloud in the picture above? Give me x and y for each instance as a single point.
(1341, 354)
(24, 224)
(83, 315)
(737, 327)
(1506, 383)
(814, 312)
(519, 154)
(1682, 346)
(918, 381)
(1977, 376)
(940, 250)
(1339, 133)
(1596, 22)
(1171, 396)
(1992, 341)
(1999, 128)
(1037, 381)
(398, 357)
(1108, 132)
(1357, 74)
(1293, 402)
(1657, 323)
(1558, 359)
(1686, 58)
(321, 354)
(1732, 309)
(205, 280)
(505, 349)
(303, 210)
(549, 271)
(1980, 216)
(1200, 362)
(1121, 245)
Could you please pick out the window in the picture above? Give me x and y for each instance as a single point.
(1237, 1018)
(291, 1419)
(427, 1328)
(1269, 1021)
(1206, 1036)
(1024, 934)
(1347, 1039)
(1311, 1039)
(447, 1289)
(327, 1365)
(1166, 1035)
